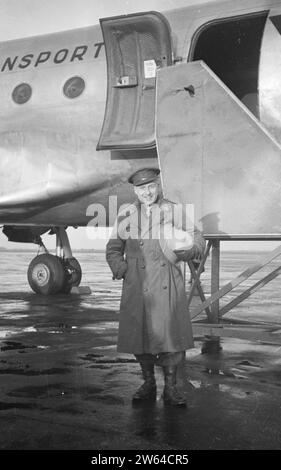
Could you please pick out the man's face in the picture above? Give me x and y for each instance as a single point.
(147, 193)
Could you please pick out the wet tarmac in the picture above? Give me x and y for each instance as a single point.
(63, 385)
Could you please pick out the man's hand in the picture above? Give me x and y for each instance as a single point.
(120, 274)
(186, 255)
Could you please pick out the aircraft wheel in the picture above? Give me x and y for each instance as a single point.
(73, 274)
(46, 274)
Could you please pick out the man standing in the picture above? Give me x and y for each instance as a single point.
(154, 320)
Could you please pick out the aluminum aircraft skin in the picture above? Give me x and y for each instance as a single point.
(61, 115)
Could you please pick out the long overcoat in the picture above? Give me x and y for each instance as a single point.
(154, 315)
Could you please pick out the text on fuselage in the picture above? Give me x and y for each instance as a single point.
(43, 57)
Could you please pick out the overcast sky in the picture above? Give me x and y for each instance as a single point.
(22, 18)
(31, 17)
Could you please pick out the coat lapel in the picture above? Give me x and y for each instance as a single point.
(149, 225)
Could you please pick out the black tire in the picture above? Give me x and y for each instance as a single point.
(73, 274)
(46, 274)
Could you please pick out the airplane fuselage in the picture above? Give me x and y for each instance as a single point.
(53, 92)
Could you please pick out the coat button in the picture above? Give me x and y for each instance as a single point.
(164, 287)
(143, 266)
(141, 243)
(145, 289)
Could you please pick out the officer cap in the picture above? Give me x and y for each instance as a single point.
(144, 176)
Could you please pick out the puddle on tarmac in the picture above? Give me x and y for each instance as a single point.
(101, 326)
(100, 366)
(12, 345)
(66, 326)
(8, 406)
(92, 356)
(110, 399)
(237, 373)
(54, 390)
(12, 316)
(69, 410)
(56, 329)
(14, 331)
(14, 309)
(236, 392)
(27, 371)
(216, 371)
(100, 359)
(9, 332)
(29, 329)
(232, 390)
(248, 364)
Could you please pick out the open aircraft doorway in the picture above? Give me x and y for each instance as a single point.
(231, 48)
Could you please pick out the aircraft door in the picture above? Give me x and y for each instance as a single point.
(270, 74)
(136, 45)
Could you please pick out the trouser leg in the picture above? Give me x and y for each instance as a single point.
(169, 358)
(147, 391)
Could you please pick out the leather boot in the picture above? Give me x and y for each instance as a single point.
(171, 395)
(147, 390)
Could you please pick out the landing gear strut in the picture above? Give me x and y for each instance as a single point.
(52, 274)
